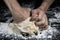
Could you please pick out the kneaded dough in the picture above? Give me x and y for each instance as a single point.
(26, 26)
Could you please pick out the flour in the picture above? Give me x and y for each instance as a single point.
(13, 28)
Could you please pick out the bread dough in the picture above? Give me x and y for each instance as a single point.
(26, 26)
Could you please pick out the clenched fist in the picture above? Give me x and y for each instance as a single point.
(40, 18)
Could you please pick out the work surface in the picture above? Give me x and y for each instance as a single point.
(6, 31)
(53, 32)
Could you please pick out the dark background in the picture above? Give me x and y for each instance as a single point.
(55, 4)
(5, 13)
(4, 9)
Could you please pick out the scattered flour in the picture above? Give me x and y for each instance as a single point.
(6, 28)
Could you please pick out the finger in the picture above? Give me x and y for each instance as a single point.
(33, 19)
(40, 17)
(45, 24)
(46, 21)
(34, 16)
(42, 26)
(40, 21)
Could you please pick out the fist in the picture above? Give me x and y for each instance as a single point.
(40, 18)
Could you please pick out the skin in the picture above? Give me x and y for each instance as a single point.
(19, 13)
(38, 15)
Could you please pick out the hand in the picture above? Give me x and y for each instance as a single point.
(21, 14)
(40, 18)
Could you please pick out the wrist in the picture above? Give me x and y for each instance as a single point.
(44, 6)
(41, 9)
